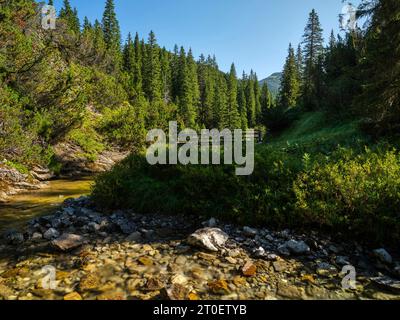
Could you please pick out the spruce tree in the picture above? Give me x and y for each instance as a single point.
(289, 90)
(266, 102)
(70, 16)
(380, 100)
(152, 82)
(312, 53)
(242, 105)
(230, 117)
(129, 56)
(251, 101)
(112, 36)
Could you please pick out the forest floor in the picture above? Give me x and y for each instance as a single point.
(122, 255)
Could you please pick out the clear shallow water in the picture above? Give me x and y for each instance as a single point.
(25, 206)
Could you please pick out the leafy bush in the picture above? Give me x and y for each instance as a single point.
(124, 125)
(355, 193)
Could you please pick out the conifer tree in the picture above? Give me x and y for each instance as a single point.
(242, 104)
(312, 53)
(289, 90)
(266, 102)
(112, 36)
(152, 83)
(70, 16)
(129, 56)
(186, 103)
(251, 101)
(230, 117)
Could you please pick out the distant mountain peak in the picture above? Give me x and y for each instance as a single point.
(273, 82)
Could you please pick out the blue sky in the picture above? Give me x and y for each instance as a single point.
(254, 34)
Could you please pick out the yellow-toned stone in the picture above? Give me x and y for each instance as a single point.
(308, 278)
(112, 296)
(193, 297)
(239, 281)
(73, 296)
(61, 275)
(146, 261)
(219, 287)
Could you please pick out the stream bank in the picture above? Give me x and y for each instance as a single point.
(122, 255)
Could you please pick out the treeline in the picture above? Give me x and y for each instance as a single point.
(82, 84)
(356, 75)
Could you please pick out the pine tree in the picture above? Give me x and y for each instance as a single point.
(380, 100)
(137, 74)
(112, 33)
(220, 101)
(152, 82)
(242, 105)
(129, 56)
(312, 53)
(165, 75)
(300, 63)
(251, 100)
(186, 102)
(112, 36)
(257, 95)
(230, 117)
(266, 102)
(70, 16)
(289, 90)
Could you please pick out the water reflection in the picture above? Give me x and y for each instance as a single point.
(25, 206)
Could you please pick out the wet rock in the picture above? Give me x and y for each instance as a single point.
(326, 269)
(51, 234)
(134, 237)
(14, 237)
(111, 296)
(297, 247)
(37, 236)
(212, 239)
(342, 261)
(89, 282)
(212, 223)
(73, 296)
(290, 292)
(178, 292)
(146, 261)
(154, 284)
(219, 287)
(249, 269)
(68, 242)
(279, 266)
(259, 252)
(383, 256)
(5, 292)
(250, 232)
(387, 283)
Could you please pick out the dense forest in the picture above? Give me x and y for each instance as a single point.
(338, 103)
(79, 83)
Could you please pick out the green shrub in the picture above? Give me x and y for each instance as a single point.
(124, 125)
(353, 193)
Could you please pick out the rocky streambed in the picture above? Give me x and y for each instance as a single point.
(80, 253)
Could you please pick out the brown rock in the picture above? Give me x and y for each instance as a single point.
(154, 284)
(178, 292)
(249, 269)
(219, 287)
(290, 292)
(68, 242)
